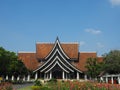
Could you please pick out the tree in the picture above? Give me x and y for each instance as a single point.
(9, 63)
(4, 61)
(17, 68)
(93, 67)
(112, 62)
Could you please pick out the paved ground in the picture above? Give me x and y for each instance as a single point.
(18, 86)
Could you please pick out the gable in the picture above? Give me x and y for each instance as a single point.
(57, 57)
(43, 49)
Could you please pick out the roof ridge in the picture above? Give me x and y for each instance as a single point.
(54, 43)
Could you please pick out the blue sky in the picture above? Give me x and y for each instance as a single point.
(94, 24)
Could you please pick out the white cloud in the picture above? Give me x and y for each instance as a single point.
(115, 2)
(82, 43)
(93, 31)
(100, 45)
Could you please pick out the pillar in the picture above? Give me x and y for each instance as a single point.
(77, 75)
(28, 78)
(36, 76)
(118, 79)
(18, 78)
(63, 75)
(85, 77)
(7, 77)
(112, 80)
(101, 79)
(24, 78)
(50, 75)
(106, 79)
(12, 78)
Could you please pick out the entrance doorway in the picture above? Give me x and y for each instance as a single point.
(57, 74)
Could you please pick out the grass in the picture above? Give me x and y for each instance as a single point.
(25, 88)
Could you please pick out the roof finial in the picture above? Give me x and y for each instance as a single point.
(57, 38)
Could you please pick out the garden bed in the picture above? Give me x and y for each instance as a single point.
(6, 86)
(76, 85)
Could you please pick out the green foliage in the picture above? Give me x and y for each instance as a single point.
(36, 87)
(68, 85)
(5, 58)
(53, 80)
(40, 88)
(18, 68)
(37, 83)
(45, 88)
(6, 86)
(93, 67)
(112, 62)
(9, 88)
(9, 63)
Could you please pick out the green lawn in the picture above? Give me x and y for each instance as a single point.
(25, 88)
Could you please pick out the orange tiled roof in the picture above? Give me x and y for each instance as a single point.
(29, 59)
(100, 59)
(83, 58)
(43, 49)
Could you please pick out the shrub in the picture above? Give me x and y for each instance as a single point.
(37, 83)
(46, 88)
(40, 88)
(6, 86)
(36, 87)
(53, 80)
(9, 88)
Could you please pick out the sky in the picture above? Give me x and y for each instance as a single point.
(94, 24)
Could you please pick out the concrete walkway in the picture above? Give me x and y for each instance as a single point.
(18, 86)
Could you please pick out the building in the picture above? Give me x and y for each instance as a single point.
(57, 60)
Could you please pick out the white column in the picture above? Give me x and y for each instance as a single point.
(90, 78)
(7, 77)
(85, 77)
(28, 78)
(50, 75)
(63, 75)
(12, 78)
(118, 79)
(18, 78)
(24, 78)
(96, 79)
(77, 75)
(36, 76)
(112, 80)
(101, 79)
(106, 79)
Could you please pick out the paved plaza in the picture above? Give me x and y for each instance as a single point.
(18, 86)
